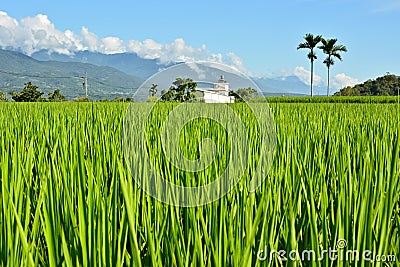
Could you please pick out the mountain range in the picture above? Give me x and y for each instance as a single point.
(129, 63)
(104, 82)
(109, 75)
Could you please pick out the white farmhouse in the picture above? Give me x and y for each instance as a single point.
(219, 93)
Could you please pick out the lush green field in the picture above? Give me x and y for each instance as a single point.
(67, 197)
(334, 99)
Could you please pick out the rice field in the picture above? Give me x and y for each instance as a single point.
(68, 198)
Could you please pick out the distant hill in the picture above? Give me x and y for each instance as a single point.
(129, 63)
(387, 85)
(104, 82)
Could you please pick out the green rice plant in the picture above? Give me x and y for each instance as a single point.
(334, 99)
(68, 198)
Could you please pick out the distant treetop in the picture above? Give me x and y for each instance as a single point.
(388, 85)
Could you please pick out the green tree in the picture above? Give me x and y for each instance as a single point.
(56, 96)
(3, 97)
(167, 95)
(332, 50)
(118, 99)
(348, 91)
(81, 99)
(182, 90)
(30, 93)
(244, 94)
(310, 43)
(388, 85)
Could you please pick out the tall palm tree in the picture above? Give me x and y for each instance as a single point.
(311, 42)
(330, 48)
(153, 89)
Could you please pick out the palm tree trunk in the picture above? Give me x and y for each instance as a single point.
(312, 75)
(327, 93)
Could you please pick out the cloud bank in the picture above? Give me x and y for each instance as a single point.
(303, 75)
(342, 80)
(37, 33)
(337, 82)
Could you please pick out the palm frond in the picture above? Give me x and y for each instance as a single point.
(330, 48)
(340, 48)
(303, 45)
(311, 41)
(312, 56)
(337, 55)
(329, 61)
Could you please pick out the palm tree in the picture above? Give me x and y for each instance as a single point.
(330, 48)
(153, 89)
(310, 43)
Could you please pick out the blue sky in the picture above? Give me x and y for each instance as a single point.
(260, 37)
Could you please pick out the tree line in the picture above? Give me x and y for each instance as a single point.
(181, 90)
(388, 85)
(184, 90)
(31, 93)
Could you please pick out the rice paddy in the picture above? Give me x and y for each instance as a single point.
(68, 198)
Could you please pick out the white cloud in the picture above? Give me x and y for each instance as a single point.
(113, 45)
(200, 73)
(303, 74)
(89, 40)
(36, 33)
(7, 22)
(148, 49)
(237, 62)
(342, 80)
(179, 51)
(9, 30)
(338, 81)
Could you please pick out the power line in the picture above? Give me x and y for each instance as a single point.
(85, 84)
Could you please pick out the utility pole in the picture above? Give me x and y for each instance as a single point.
(85, 84)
